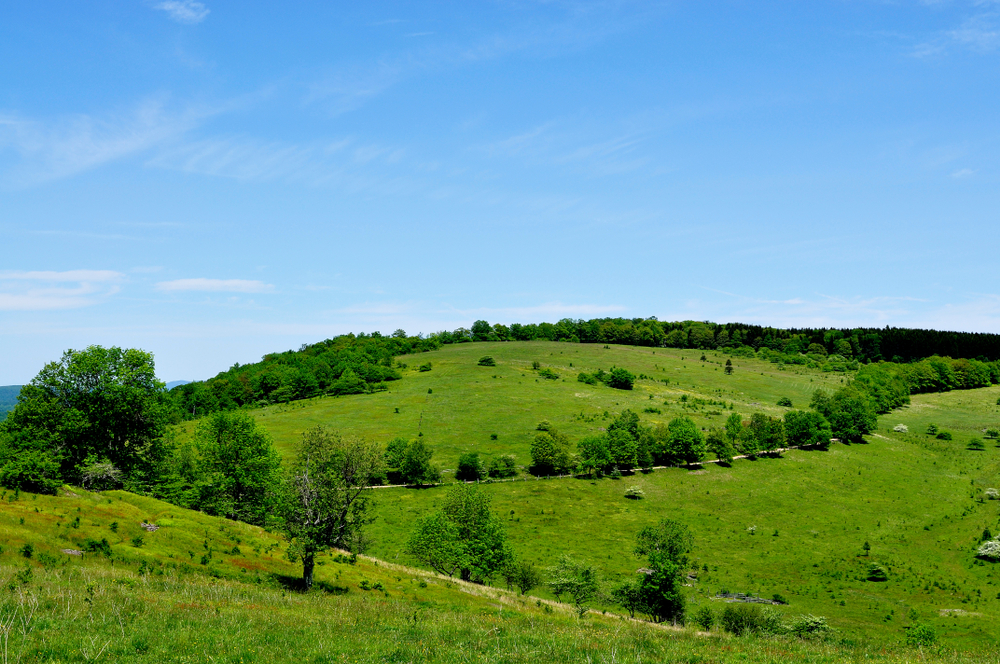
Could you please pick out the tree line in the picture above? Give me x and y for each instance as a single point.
(355, 364)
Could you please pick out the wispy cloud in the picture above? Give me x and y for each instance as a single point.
(979, 33)
(963, 173)
(184, 11)
(64, 147)
(44, 290)
(215, 286)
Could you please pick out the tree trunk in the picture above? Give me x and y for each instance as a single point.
(308, 563)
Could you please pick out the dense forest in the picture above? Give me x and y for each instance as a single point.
(920, 360)
(8, 398)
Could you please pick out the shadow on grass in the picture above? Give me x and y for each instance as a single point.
(296, 584)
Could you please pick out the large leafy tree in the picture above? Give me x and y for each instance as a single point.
(328, 497)
(240, 467)
(464, 537)
(684, 440)
(851, 413)
(659, 590)
(805, 428)
(99, 405)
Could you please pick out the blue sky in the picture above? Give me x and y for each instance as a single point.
(214, 180)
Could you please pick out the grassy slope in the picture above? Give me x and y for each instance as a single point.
(70, 608)
(824, 505)
(467, 403)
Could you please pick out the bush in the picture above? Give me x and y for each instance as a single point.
(876, 573)
(487, 361)
(704, 618)
(932, 429)
(976, 444)
(621, 379)
(28, 550)
(470, 468)
(740, 619)
(589, 379)
(503, 466)
(901, 428)
(785, 401)
(920, 635)
(634, 493)
(944, 435)
(992, 494)
(424, 367)
(990, 550)
(548, 373)
(992, 433)
(808, 626)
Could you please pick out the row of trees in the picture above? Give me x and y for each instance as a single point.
(626, 444)
(862, 344)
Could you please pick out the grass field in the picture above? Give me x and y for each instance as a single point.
(912, 497)
(157, 603)
(458, 405)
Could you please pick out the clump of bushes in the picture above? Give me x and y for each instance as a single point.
(920, 635)
(487, 361)
(990, 550)
(502, 466)
(470, 468)
(704, 618)
(876, 573)
(635, 493)
(424, 367)
(785, 402)
(809, 626)
(618, 378)
(548, 373)
(740, 619)
(901, 428)
(944, 435)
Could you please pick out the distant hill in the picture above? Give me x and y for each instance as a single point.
(175, 383)
(8, 398)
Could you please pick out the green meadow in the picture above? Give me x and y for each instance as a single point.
(794, 525)
(458, 405)
(156, 602)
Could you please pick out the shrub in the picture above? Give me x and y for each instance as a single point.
(990, 550)
(932, 429)
(503, 466)
(487, 361)
(621, 379)
(536, 365)
(98, 546)
(470, 468)
(808, 625)
(589, 379)
(634, 493)
(992, 433)
(876, 573)
(976, 444)
(944, 435)
(992, 494)
(424, 367)
(137, 541)
(785, 401)
(920, 635)
(740, 619)
(704, 618)
(901, 428)
(548, 373)
(28, 550)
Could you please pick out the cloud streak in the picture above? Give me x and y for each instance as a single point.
(49, 290)
(184, 11)
(214, 286)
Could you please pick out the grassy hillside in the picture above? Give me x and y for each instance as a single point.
(157, 602)
(458, 405)
(911, 496)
